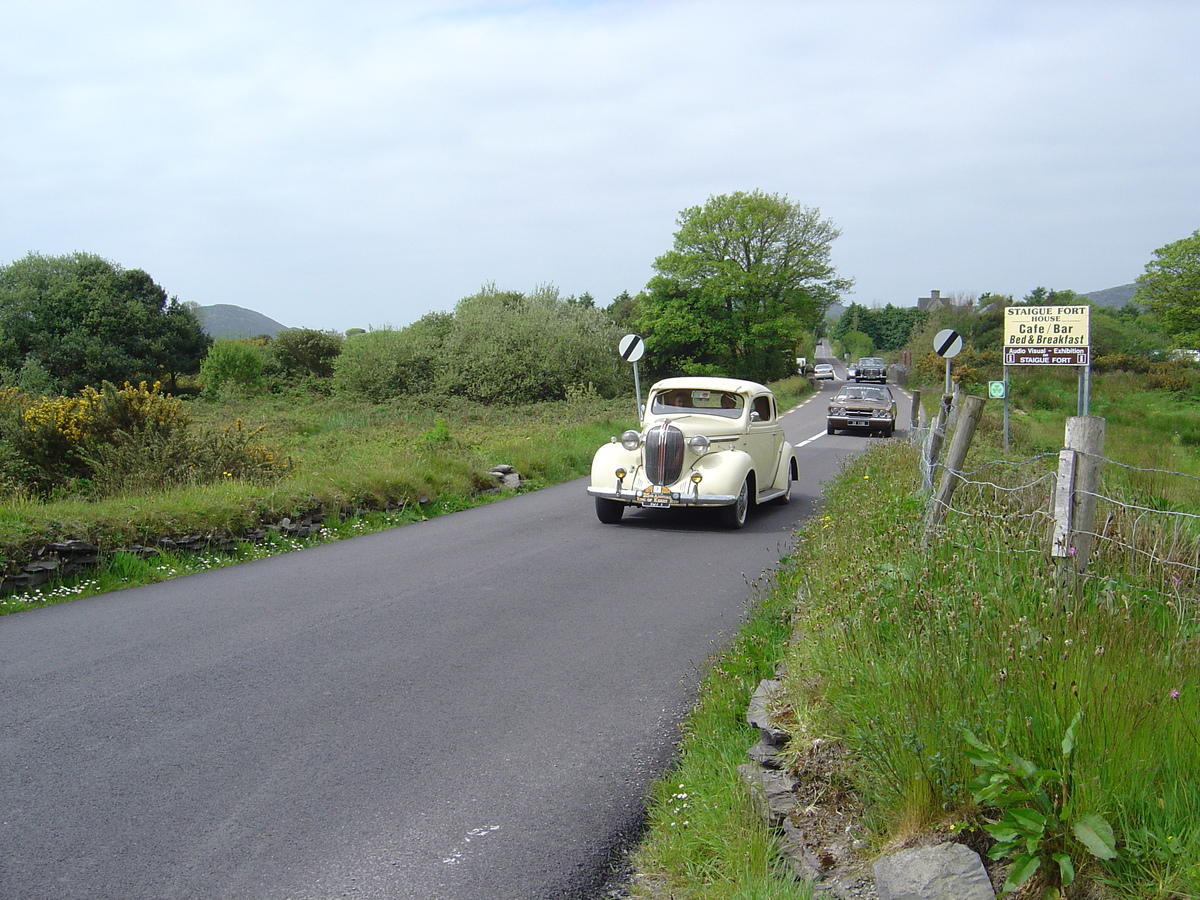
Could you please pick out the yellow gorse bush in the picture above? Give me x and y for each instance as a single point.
(93, 415)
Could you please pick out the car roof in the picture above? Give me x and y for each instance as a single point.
(708, 383)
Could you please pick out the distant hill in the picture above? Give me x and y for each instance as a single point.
(224, 320)
(1116, 297)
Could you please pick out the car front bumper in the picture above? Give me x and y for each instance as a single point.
(848, 422)
(661, 499)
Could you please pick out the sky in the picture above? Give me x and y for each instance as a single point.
(360, 163)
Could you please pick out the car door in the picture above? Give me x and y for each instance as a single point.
(764, 439)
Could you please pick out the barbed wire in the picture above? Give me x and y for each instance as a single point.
(1135, 536)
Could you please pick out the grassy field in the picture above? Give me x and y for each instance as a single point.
(904, 654)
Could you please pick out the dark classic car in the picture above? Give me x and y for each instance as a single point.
(862, 408)
(869, 368)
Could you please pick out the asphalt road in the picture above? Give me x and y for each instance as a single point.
(467, 708)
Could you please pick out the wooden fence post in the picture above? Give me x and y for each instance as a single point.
(969, 413)
(937, 434)
(914, 414)
(1075, 492)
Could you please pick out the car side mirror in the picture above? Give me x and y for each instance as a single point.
(754, 416)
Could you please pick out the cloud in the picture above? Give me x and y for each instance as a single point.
(343, 165)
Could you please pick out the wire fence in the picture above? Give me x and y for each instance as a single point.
(1146, 522)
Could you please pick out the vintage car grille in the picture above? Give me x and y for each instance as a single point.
(664, 454)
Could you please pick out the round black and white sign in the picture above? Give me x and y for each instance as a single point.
(632, 348)
(947, 343)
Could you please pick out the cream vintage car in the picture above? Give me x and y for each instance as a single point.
(704, 442)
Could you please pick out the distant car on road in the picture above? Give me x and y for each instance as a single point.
(703, 442)
(869, 408)
(824, 372)
(869, 368)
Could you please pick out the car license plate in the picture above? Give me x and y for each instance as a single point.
(657, 497)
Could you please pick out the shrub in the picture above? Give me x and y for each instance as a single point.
(233, 364)
(108, 441)
(508, 347)
(306, 352)
(59, 436)
(380, 365)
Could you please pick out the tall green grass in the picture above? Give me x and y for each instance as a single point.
(901, 647)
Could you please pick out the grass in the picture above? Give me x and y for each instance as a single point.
(704, 840)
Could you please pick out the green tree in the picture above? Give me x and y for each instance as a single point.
(754, 271)
(511, 347)
(86, 320)
(306, 352)
(1170, 286)
(889, 328)
(389, 362)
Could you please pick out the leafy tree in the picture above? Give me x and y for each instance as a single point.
(748, 274)
(889, 328)
(86, 320)
(306, 352)
(389, 362)
(1170, 286)
(1127, 332)
(510, 347)
(623, 309)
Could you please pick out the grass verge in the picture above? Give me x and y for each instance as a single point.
(705, 841)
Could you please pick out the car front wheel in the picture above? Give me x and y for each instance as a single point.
(734, 515)
(609, 511)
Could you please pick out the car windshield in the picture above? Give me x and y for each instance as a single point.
(708, 403)
(862, 393)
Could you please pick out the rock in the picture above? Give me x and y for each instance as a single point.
(767, 754)
(505, 475)
(771, 792)
(942, 872)
(759, 716)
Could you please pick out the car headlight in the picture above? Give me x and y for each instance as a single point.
(631, 440)
(836, 411)
(699, 444)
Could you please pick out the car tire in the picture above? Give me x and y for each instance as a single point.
(609, 511)
(734, 515)
(887, 432)
(829, 429)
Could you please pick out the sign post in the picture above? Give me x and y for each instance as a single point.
(632, 348)
(1051, 336)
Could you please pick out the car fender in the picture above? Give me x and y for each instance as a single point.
(787, 458)
(724, 470)
(608, 459)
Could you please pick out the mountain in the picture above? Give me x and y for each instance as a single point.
(224, 320)
(1116, 297)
